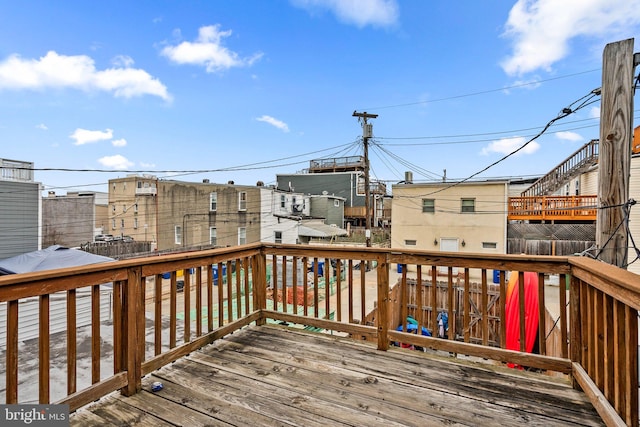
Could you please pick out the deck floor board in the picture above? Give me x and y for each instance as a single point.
(271, 375)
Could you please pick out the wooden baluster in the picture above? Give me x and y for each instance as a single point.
(72, 337)
(12, 353)
(173, 310)
(157, 321)
(198, 301)
(503, 310)
(221, 295)
(542, 331)
(186, 296)
(294, 284)
(95, 334)
(209, 297)
(339, 289)
(44, 346)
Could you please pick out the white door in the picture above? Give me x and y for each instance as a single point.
(448, 245)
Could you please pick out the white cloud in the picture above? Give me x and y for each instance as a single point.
(594, 112)
(508, 145)
(77, 72)
(115, 162)
(378, 13)
(84, 136)
(42, 126)
(119, 142)
(274, 122)
(208, 51)
(123, 61)
(569, 136)
(541, 30)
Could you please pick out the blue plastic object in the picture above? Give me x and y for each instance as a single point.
(496, 276)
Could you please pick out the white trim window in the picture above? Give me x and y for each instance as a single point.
(278, 237)
(242, 235)
(213, 236)
(177, 234)
(242, 201)
(213, 201)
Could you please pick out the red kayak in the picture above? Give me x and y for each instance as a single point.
(530, 311)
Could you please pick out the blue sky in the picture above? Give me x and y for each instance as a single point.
(246, 89)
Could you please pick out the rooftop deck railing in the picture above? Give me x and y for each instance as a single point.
(553, 208)
(165, 307)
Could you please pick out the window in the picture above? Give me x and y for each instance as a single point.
(410, 242)
(113, 208)
(360, 186)
(213, 201)
(114, 186)
(468, 205)
(242, 201)
(124, 186)
(278, 237)
(242, 235)
(283, 201)
(124, 208)
(336, 203)
(135, 222)
(113, 224)
(428, 205)
(178, 235)
(135, 208)
(489, 245)
(213, 236)
(122, 223)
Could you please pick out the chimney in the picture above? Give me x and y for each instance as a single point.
(205, 181)
(52, 194)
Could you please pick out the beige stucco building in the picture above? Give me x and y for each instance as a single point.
(178, 215)
(452, 217)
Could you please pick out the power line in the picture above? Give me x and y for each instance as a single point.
(584, 101)
(484, 92)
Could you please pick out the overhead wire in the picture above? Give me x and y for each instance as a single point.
(585, 100)
(483, 92)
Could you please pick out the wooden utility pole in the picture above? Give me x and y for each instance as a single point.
(614, 160)
(366, 134)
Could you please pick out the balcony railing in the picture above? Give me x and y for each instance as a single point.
(193, 299)
(550, 208)
(574, 165)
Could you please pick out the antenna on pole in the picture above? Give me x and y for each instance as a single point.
(367, 132)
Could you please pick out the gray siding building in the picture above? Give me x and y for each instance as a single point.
(19, 209)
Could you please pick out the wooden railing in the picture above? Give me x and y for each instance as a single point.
(192, 299)
(550, 208)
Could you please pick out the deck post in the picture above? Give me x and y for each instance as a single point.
(133, 336)
(383, 303)
(260, 284)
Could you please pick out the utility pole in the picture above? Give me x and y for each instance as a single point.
(614, 162)
(366, 134)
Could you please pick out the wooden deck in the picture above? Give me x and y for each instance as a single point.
(271, 375)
